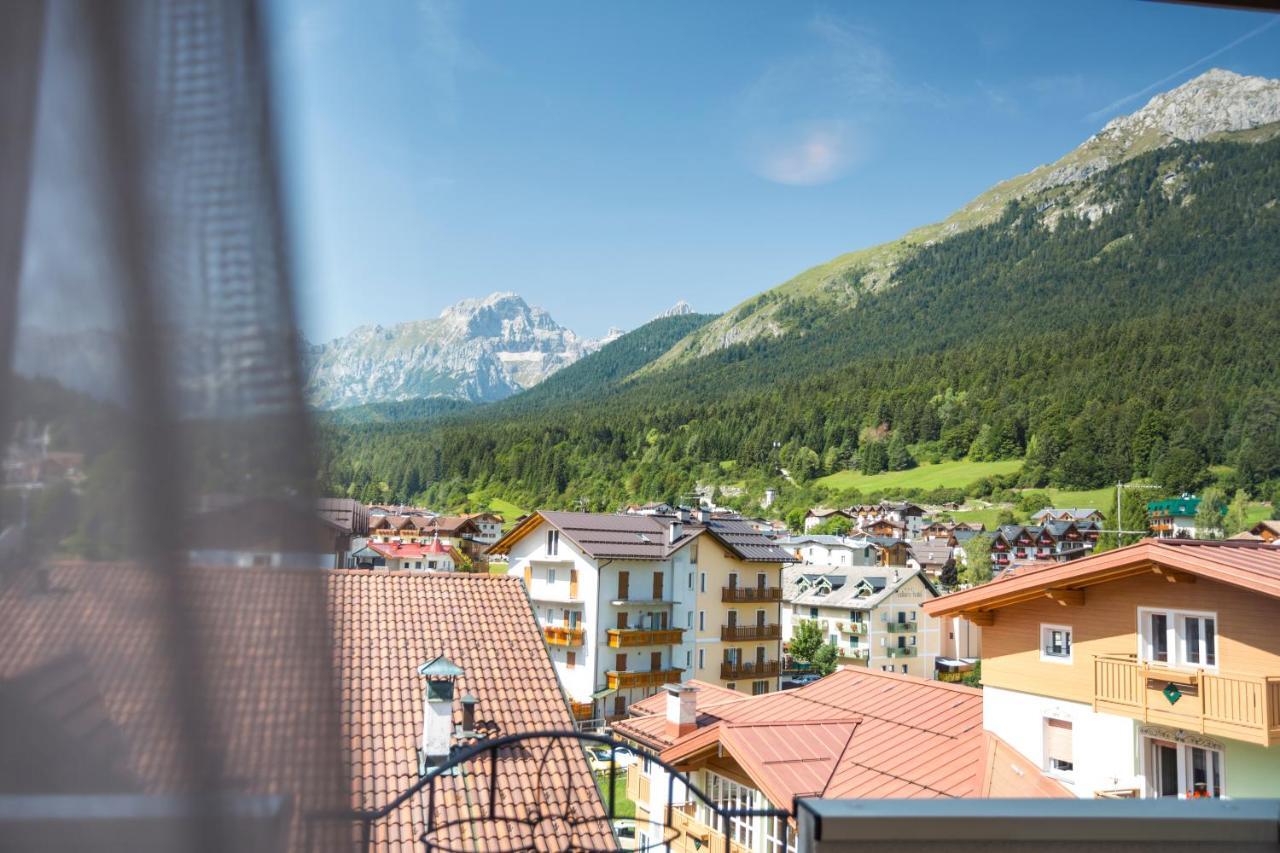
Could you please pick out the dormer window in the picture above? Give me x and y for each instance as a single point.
(553, 543)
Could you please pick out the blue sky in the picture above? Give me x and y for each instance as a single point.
(607, 159)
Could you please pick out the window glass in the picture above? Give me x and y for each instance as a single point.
(1159, 637)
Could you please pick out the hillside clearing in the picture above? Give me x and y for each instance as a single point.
(949, 475)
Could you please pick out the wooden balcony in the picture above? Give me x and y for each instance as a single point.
(738, 594)
(563, 635)
(744, 670)
(582, 710)
(620, 680)
(689, 835)
(1241, 707)
(741, 633)
(621, 638)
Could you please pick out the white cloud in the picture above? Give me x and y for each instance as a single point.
(805, 118)
(815, 153)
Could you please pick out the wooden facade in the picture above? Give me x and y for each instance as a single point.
(1238, 698)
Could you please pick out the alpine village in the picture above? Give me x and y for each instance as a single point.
(988, 512)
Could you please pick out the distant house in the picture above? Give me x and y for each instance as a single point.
(490, 526)
(433, 556)
(870, 614)
(826, 550)
(240, 533)
(1066, 514)
(1054, 541)
(886, 527)
(460, 531)
(1263, 531)
(1175, 518)
(818, 515)
(931, 558)
(892, 551)
(655, 508)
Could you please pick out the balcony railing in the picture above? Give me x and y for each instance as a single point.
(582, 710)
(468, 797)
(621, 638)
(730, 671)
(901, 651)
(901, 627)
(739, 633)
(563, 635)
(731, 594)
(1242, 707)
(622, 679)
(860, 655)
(851, 627)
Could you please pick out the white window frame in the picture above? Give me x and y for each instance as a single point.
(1045, 630)
(1184, 760)
(1175, 627)
(553, 543)
(1064, 775)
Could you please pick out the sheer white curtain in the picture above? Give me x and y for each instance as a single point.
(150, 409)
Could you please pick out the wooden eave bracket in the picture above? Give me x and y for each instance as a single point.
(982, 618)
(1066, 597)
(1173, 575)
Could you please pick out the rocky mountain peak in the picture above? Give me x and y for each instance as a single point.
(1215, 102)
(679, 309)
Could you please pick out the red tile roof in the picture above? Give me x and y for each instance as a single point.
(1251, 565)
(91, 657)
(855, 734)
(415, 550)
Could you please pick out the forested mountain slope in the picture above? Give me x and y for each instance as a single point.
(1097, 334)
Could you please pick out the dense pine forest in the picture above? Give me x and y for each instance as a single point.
(1128, 329)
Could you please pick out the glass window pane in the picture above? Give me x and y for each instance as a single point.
(1191, 639)
(1159, 637)
(1210, 642)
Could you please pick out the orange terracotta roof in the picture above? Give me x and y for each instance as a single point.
(92, 658)
(867, 734)
(1251, 565)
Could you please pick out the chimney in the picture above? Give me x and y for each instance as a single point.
(682, 715)
(437, 718)
(468, 703)
(682, 514)
(703, 515)
(674, 531)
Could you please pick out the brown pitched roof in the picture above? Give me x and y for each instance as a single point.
(1252, 565)
(856, 734)
(644, 537)
(279, 728)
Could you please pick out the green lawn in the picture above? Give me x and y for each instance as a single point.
(497, 568)
(509, 511)
(954, 475)
(1258, 512)
(982, 516)
(1102, 499)
(623, 807)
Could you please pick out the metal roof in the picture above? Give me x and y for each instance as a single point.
(855, 734)
(1252, 565)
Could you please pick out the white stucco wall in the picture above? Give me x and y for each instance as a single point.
(1104, 746)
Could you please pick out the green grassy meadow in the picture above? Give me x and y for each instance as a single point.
(942, 475)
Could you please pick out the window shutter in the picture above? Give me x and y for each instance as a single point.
(1057, 740)
(528, 575)
(573, 583)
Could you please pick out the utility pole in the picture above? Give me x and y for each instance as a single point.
(1119, 530)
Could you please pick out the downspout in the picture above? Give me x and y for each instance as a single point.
(599, 585)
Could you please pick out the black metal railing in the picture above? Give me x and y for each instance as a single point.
(546, 791)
